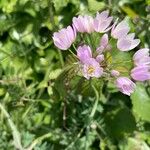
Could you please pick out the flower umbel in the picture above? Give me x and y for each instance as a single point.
(101, 50)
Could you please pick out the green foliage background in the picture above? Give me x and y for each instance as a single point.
(48, 106)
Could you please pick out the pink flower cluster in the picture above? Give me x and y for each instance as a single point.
(92, 62)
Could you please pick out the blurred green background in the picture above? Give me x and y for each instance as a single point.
(47, 109)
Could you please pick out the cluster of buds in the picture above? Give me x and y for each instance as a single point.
(93, 62)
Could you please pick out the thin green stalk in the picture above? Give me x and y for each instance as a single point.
(73, 53)
(38, 140)
(15, 132)
(91, 115)
(61, 58)
(78, 136)
(87, 138)
(74, 47)
(96, 102)
(92, 42)
(89, 41)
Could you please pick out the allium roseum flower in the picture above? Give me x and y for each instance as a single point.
(128, 42)
(141, 73)
(83, 24)
(84, 52)
(103, 43)
(141, 57)
(64, 38)
(125, 85)
(102, 22)
(115, 73)
(100, 58)
(121, 30)
(98, 53)
(91, 68)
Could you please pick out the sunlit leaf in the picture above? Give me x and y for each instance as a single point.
(141, 102)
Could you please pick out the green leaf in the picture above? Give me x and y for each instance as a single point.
(95, 6)
(27, 138)
(148, 2)
(141, 102)
(120, 122)
(58, 6)
(8, 6)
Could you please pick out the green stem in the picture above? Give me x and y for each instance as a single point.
(38, 140)
(73, 53)
(91, 115)
(96, 102)
(92, 42)
(61, 58)
(74, 47)
(15, 133)
(78, 136)
(87, 139)
(86, 38)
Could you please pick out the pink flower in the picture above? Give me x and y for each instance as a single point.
(125, 85)
(141, 57)
(103, 43)
(121, 30)
(64, 38)
(128, 42)
(83, 24)
(102, 22)
(84, 52)
(141, 73)
(100, 58)
(115, 73)
(91, 68)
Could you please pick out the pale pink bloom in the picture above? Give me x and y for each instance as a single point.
(102, 22)
(115, 73)
(141, 57)
(141, 73)
(64, 38)
(100, 58)
(120, 30)
(103, 43)
(91, 68)
(125, 85)
(128, 42)
(83, 23)
(84, 52)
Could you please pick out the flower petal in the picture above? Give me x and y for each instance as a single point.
(84, 52)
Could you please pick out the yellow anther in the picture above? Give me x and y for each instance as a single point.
(90, 70)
